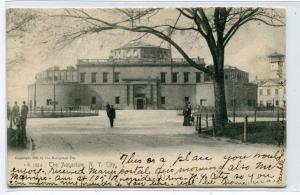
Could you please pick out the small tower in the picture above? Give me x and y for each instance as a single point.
(276, 61)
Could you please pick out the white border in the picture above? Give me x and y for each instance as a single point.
(293, 94)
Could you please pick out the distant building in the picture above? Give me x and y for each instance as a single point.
(136, 76)
(238, 91)
(271, 90)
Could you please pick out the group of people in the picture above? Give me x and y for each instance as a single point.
(111, 114)
(188, 119)
(18, 119)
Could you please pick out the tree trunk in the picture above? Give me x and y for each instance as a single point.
(220, 102)
(219, 91)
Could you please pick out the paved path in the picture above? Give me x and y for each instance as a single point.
(134, 131)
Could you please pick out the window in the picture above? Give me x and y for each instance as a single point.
(186, 98)
(249, 102)
(62, 75)
(226, 77)
(69, 75)
(48, 102)
(93, 100)
(261, 103)
(277, 103)
(50, 76)
(116, 77)
(163, 77)
(207, 77)
(198, 77)
(135, 53)
(186, 77)
(77, 101)
(174, 77)
(163, 100)
(56, 74)
(82, 77)
(203, 102)
(94, 77)
(276, 91)
(260, 91)
(105, 76)
(117, 100)
(268, 92)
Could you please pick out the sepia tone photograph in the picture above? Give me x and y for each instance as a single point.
(146, 97)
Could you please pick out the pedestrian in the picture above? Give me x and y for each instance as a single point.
(15, 113)
(111, 116)
(24, 113)
(8, 113)
(189, 113)
(185, 115)
(107, 109)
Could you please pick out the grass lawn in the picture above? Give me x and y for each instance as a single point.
(269, 132)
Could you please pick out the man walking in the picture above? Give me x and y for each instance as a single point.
(24, 113)
(107, 110)
(15, 114)
(8, 114)
(112, 116)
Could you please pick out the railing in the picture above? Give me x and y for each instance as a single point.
(139, 61)
(48, 112)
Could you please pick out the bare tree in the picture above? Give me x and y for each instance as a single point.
(216, 25)
(18, 23)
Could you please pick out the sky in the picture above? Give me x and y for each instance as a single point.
(247, 50)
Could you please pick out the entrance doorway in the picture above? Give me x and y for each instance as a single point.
(140, 103)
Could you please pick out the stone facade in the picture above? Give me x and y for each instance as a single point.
(145, 78)
(242, 96)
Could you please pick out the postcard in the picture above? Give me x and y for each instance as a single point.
(146, 97)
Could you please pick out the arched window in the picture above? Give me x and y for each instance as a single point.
(93, 100)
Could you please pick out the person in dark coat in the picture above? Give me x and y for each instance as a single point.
(8, 111)
(189, 113)
(107, 110)
(185, 115)
(112, 115)
(24, 113)
(9, 115)
(15, 114)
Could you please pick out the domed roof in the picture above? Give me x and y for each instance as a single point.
(275, 54)
(138, 44)
(229, 67)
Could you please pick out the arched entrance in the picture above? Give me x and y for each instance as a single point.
(140, 97)
(140, 103)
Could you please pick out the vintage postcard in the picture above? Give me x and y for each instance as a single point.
(152, 97)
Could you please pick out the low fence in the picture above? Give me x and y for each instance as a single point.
(61, 113)
(269, 132)
(276, 112)
(258, 113)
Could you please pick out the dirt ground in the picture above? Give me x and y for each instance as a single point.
(145, 130)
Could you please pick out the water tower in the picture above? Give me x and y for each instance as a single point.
(276, 61)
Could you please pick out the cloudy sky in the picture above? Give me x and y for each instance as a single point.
(247, 50)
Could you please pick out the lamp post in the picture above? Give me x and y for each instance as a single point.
(233, 97)
(54, 95)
